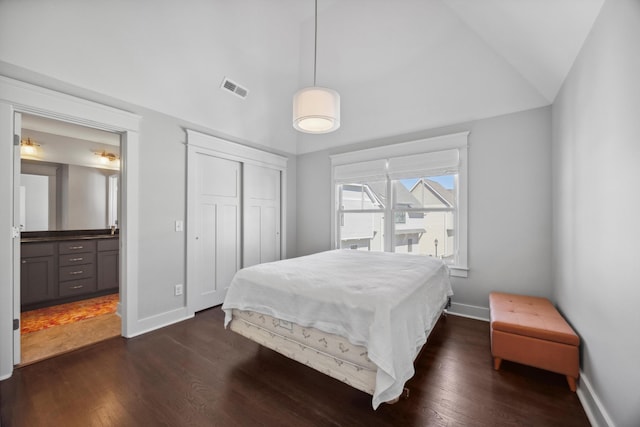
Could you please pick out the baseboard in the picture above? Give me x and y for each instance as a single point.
(152, 323)
(593, 407)
(470, 311)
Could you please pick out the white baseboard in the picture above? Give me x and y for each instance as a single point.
(152, 323)
(470, 311)
(593, 407)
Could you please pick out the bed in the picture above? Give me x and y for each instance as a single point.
(360, 317)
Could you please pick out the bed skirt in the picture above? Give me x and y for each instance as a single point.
(330, 354)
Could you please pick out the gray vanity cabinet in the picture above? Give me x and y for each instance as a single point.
(60, 270)
(108, 260)
(38, 272)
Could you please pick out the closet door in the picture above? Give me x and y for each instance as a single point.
(261, 214)
(217, 228)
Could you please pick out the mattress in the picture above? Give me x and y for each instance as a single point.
(330, 354)
(386, 303)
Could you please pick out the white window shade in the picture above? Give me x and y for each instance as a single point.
(425, 164)
(374, 170)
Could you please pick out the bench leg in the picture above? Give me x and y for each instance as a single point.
(572, 383)
(496, 363)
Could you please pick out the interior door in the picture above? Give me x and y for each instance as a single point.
(261, 214)
(17, 130)
(217, 228)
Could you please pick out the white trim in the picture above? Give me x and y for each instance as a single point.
(438, 143)
(469, 311)
(26, 98)
(39, 101)
(129, 233)
(234, 151)
(458, 271)
(593, 407)
(6, 241)
(161, 320)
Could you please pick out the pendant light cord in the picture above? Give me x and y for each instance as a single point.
(315, 44)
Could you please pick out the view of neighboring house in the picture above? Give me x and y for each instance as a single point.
(423, 217)
(438, 239)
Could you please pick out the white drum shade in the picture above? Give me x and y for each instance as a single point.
(316, 110)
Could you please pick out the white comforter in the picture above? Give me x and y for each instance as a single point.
(385, 302)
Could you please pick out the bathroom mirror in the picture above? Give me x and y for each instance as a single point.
(69, 181)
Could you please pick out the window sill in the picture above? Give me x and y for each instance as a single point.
(458, 271)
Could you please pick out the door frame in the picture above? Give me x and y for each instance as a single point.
(20, 97)
(198, 142)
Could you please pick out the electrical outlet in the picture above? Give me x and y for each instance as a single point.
(178, 289)
(179, 226)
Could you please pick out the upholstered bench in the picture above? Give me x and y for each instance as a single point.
(529, 330)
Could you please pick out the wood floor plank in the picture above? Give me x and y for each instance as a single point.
(196, 373)
(39, 345)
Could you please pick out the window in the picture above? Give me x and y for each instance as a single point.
(361, 207)
(400, 217)
(409, 198)
(430, 204)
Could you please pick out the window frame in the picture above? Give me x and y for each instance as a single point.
(457, 141)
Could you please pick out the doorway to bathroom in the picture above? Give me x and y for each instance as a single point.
(69, 249)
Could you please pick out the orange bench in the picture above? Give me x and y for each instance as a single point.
(529, 330)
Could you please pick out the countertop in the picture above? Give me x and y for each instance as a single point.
(66, 235)
(67, 238)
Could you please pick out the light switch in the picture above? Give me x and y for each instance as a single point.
(179, 225)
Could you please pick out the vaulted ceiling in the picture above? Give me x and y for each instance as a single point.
(399, 66)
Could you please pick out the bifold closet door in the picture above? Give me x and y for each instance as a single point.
(218, 222)
(261, 214)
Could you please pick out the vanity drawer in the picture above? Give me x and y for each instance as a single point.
(76, 259)
(112, 244)
(76, 246)
(36, 249)
(77, 287)
(75, 272)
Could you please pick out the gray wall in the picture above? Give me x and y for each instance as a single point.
(162, 191)
(509, 205)
(596, 169)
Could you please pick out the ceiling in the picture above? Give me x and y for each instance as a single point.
(400, 67)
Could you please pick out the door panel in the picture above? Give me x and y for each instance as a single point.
(269, 224)
(217, 228)
(261, 215)
(228, 244)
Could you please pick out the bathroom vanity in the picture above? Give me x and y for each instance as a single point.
(63, 266)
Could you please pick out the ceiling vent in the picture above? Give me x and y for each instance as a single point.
(234, 88)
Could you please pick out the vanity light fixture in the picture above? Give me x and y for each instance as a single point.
(107, 158)
(28, 147)
(316, 109)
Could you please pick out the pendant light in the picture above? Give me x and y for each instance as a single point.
(316, 109)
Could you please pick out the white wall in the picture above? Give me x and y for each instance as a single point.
(596, 153)
(509, 205)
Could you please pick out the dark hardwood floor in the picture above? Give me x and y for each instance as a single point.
(195, 373)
